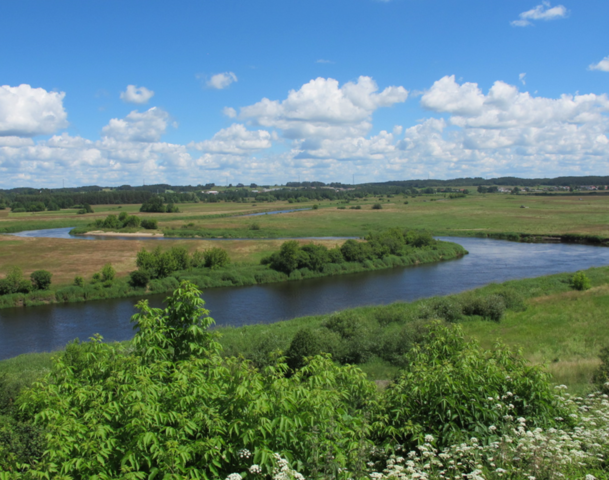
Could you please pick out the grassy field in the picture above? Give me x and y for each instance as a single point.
(585, 214)
(66, 258)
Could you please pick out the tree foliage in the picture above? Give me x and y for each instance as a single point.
(172, 406)
(41, 279)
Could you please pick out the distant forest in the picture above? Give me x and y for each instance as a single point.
(34, 199)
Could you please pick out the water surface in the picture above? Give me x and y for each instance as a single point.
(51, 327)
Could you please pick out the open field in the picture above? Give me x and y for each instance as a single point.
(459, 217)
(66, 258)
(473, 215)
(493, 213)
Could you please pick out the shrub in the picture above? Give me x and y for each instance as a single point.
(139, 279)
(149, 224)
(197, 260)
(513, 300)
(377, 206)
(216, 257)
(286, 260)
(491, 307)
(447, 309)
(580, 281)
(449, 389)
(15, 283)
(254, 226)
(315, 207)
(79, 281)
(108, 273)
(41, 279)
(181, 256)
(131, 221)
(305, 343)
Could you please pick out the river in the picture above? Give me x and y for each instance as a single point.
(50, 327)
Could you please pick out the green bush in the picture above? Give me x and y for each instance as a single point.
(139, 279)
(107, 273)
(447, 309)
(173, 394)
(41, 279)
(305, 343)
(491, 307)
(15, 283)
(216, 258)
(450, 388)
(79, 281)
(377, 206)
(513, 300)
(150, 224)
(580, 281)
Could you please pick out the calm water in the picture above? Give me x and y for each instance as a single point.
(65, 234)
(51, 327)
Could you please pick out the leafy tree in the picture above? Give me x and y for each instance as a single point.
(157, 264)
(139, 278)
(131, 222)
(171, 405)
(108, 273)
(41, 279)
(155, 204)
(15, 283)
(316, 257)
(286, 260)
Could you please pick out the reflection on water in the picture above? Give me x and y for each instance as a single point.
(51, 327)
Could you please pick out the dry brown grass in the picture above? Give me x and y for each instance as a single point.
(66, 258)
(601, 290)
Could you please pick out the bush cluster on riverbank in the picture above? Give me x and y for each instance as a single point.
(389, 246)
(170, 403)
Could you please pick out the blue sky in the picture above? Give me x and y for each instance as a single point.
(112, 93)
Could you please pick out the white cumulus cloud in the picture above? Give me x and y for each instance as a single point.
(220, 81)
(603, 65)
(27, 111)
(138, 127)
(541, 12)
(236, 140)
(138, 95)
(322, 109)
(505, 107)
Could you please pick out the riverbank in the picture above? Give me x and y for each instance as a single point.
(229, 276)
(553, 324)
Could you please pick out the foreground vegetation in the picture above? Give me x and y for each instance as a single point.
(170, 404)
